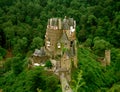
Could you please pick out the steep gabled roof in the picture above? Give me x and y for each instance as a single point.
(64, 37)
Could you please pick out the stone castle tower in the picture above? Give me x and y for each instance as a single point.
(60, 41)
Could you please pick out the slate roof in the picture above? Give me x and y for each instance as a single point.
(38, 52)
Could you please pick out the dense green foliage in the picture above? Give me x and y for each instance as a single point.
(22, 29)
(96, 76)
(19, 79)
(48, 64)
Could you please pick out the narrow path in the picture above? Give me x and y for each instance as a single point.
(65, 85)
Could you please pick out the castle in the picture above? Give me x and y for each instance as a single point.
(60, 46)
(60, 41)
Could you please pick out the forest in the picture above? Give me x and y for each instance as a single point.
(22, 28)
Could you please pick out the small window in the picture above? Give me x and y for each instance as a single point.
(59, 45)
(48, 43)
(65, 43)
(71, 43)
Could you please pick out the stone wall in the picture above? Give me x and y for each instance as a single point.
(52, 36)
(66, 62)
(107, 57)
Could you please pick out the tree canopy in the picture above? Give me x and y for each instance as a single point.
(22, 29)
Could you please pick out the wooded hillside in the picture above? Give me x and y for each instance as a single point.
(22, 29)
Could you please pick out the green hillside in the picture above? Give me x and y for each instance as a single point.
(22, 28)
